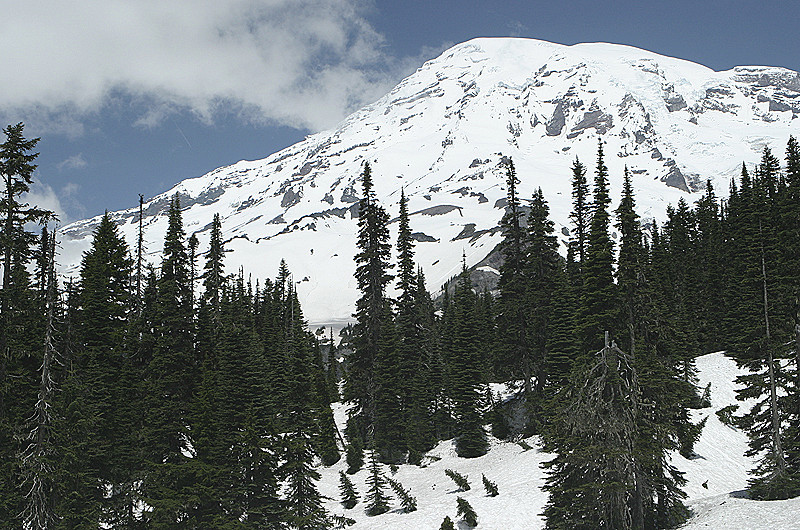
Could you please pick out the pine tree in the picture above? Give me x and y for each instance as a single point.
(41, 452)
(466, 512)
(461, 481)
(108, 373)
(377, 500)
(490, 487)
(598, 298)
(172, 381)
(347, 490)
(516, 358)
(407, 502)
(466, 373)
(372, 276)
(21, 322)
(447, 524)
(630, 270)
(580, 210)
(541, 268)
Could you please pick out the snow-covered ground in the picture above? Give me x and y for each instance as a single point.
(721, 466)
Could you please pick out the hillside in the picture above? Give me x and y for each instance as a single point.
(720, 465)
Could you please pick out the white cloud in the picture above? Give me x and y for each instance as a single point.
(303, 63)
(43, 196)
(73, 162)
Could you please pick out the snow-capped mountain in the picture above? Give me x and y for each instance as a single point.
(442, 134)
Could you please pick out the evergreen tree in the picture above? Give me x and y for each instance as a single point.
(580, 210)
(542, 264)
(461, 481)
(598, 298)
(21, 321)
(377, 499)
(466, 512)
(372, 276)
(407, 502)
(41, 452)
(168, 487)
(630, 265)
(347, 490)
(490, 487)
(516, 358)
(447, 524)
(108, 373)
(466, 374)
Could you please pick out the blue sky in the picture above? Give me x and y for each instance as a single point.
(132, 97)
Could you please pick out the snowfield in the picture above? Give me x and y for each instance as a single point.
(720, 465)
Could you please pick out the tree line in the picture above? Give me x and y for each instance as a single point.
(180, 396)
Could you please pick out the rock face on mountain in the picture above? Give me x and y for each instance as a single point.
(443, 133)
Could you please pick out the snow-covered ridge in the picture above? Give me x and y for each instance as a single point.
(443, 133)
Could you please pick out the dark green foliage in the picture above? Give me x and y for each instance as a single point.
(607, 437)
(21, 311)
(461, 481)
(372, 309)
(490, 487)
(354, 456)
(347, 491)
(466, 379)
(341, 521)
(598, 298)
(726, 415)
(525, 446)
(466, 512)
(515, 360)
(447, 524)
(377, 499)
(407, 502)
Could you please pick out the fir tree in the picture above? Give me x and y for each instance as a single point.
(466, 512)
(372, 276)
(490, 487)
(466, 376)
(447, 524)
(580, 214)
(347, 491)
(461, 481)
(541, 263)
(172, 382)
(598, 298)
(377, 500)
(407, 502)
(516, 358)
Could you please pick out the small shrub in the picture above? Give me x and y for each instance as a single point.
(460, 480)
(342, 521)
(447, 524)
(490, 487)
(525, 446)
(725, 415)
(393, 468)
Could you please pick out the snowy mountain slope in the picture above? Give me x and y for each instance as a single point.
(721, 465)
(442, 134)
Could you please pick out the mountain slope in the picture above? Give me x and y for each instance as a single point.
(720, 465)
(443, 133)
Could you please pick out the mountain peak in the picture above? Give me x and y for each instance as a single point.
(443, 134)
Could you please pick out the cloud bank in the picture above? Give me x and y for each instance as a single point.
(301, 63)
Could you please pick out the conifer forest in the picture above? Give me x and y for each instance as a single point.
(183, 394)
